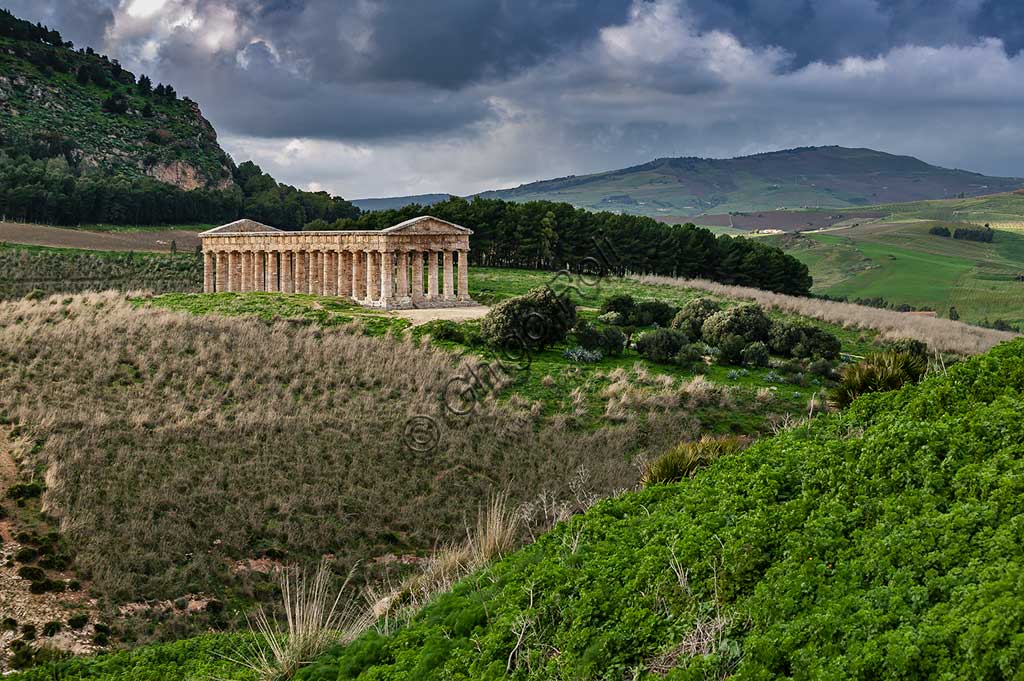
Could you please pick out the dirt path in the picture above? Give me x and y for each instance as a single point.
(60, 237)
(455, 314)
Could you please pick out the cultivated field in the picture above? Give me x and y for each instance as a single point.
(101, 239)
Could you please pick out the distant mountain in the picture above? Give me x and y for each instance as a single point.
(55, 100)
(396, 202)
(834, 177)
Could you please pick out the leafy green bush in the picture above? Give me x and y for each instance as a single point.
(730, 349)
(653, 312)
(608, 340)
(621, 304)
(587, 335)
(444, 330)
(537, 319)
(31, 573)
(912, 346)
(24, 490)
(78, 621)
(802, 340)
(755, 355)
(690, 319)
(661, 345)
(877, 373)
(748, 321)
(881, 542)
(939, 230)
(612, 318)
(684, 460)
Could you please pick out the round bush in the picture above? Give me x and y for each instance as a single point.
(661, 345)
(690, 319)
(755, 355)
(653, 312)
(730, 349)
(622, 304)
(538, 319)
(587, 336)
(613, 341)
(747, 321)
(816, 343)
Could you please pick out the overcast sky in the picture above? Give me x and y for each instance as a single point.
(390, 97)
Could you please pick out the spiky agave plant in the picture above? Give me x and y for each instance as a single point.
(685, 459)
(315, 620)
(877, 373)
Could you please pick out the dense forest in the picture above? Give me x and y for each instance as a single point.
(549, 236)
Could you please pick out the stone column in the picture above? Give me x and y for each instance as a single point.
(344, 273)
(463, 292)
(432, 275)
(314, 273)
(272, 284)
(330, 273)
(358, 274)
(449, 275)
(372, 275)
(403, 275)
(207, 272)
(387, 269)
(287, 282)
(417, 276)
(301, 283)
(222, 271)
(246, 272)
(233, 270)
(259, 271)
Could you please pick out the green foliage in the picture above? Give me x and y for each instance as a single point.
(622, 304)
(912, 346)
(536, 320)
(878, 543)
(877, 373)
(661, 345)
(653, 313)
(803, 341)
(684, 460)
(982, 234)
(755, 355)
(940, 230)
(690, 319)
(747, 321)
(24, 490)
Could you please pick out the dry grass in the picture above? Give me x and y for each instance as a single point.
(940, 334)
(176, 445)
(313, 623)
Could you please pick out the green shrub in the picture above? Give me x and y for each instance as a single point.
(26, 554)
(661, 345)
(939, 230)
(684, 460)
(755, 355)
(912, 346)
(78, 621)
(586, 335)
(24, 490)
(653, 312)
(55, 561)
(747, 321)
(691, 354)
(444, 330)
(621, 304)
(730, 350)
(9, 624)
(31, 573)
(612, 318)
(538, 319)
(816, 343)
(613, 341)
(877, 373)
(690, 319)
(51, 628)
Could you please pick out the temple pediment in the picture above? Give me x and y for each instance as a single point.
(244, 226)
(427, 225)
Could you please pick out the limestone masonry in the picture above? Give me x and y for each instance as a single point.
(375, 268)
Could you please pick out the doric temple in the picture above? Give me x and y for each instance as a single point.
(383, 268)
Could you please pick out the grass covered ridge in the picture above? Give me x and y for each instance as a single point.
(880, 543)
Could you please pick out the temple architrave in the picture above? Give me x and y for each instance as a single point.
(421, 262)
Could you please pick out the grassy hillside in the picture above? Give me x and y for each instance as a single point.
(879, 543)
(812, 176)
(900, 262)
(84, 106)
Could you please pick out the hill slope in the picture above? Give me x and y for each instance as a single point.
(808, 176)
(92, 111)
(880, 543)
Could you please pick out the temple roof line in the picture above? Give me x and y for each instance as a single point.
(246, 227)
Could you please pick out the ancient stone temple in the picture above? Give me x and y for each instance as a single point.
(421, 262)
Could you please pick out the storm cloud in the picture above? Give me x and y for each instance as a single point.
(386, 97)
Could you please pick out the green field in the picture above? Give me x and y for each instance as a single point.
(902, 263)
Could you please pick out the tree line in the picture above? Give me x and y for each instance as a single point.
(551, 236)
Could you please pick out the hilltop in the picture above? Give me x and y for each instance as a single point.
(98, 115)
(805, 177)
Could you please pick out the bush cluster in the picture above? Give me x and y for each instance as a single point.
(661, 345)
(537, 319)
(608, 340)
(637, 313)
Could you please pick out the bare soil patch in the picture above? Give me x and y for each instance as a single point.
(60, 237)
(455, 314)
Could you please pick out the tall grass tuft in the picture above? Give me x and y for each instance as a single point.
(684, 460)
(313, 623)
(877, 373)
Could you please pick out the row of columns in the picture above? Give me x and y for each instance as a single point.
(369, 276)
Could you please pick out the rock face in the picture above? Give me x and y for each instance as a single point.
(158, 136)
